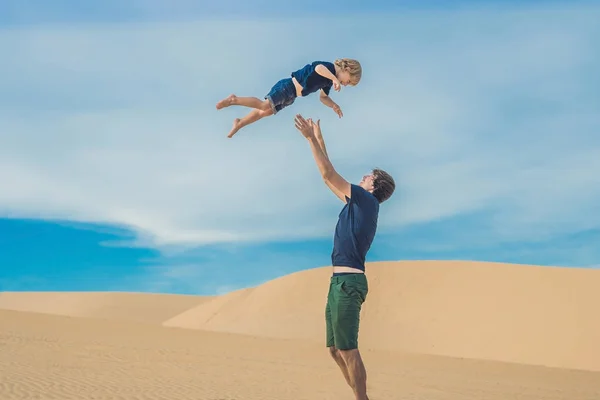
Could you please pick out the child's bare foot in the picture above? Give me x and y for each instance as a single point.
(226, 102)
(236, 127)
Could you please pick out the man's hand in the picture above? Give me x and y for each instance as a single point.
(316, 126)
(316, 129)
(306, 128)
(319, 135)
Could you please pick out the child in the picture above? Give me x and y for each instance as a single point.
(312, 77)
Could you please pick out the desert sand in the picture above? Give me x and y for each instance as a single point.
(430, 330)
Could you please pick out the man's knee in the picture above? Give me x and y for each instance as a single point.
(347, 354)
(334, 352)
(344, 354)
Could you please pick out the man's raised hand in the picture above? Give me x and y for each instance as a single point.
(316, 126)
(306, 128)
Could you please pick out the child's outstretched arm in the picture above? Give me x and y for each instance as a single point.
(328, 101)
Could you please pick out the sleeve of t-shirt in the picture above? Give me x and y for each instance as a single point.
(331, 67)
(357, 194)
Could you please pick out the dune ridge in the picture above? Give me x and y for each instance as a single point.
(139, 307)
(505, 312)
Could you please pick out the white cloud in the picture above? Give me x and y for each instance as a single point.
(469, 110)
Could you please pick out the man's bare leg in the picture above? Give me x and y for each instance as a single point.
(342, 364)
(252, 116)
(252, 102)
(356, 372)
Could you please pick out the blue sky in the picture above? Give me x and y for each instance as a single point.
(117, 175)
(40, 11)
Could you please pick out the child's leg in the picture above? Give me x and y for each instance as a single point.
(251, 117)
(282, 94)
(252, 102)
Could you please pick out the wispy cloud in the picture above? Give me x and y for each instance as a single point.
(487, 111)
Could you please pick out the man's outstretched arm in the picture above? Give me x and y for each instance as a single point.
(321, 142)
(338, 185)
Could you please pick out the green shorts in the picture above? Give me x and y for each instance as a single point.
(346, 295)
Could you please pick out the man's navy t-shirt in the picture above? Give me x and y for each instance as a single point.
(355, 229)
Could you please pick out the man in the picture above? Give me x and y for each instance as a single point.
(354, 233)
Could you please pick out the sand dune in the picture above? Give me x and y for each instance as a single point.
(57, 357)
(141, 307)
(522, 314)
(287, 307)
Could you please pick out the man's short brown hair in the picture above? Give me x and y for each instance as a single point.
(383, 185)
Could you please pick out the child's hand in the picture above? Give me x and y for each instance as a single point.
(336, 85)
(338, 110)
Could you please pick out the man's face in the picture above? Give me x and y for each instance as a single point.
(367, 182)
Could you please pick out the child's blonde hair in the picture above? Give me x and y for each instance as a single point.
(352, 66)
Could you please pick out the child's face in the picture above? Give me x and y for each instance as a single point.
(344, 78)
